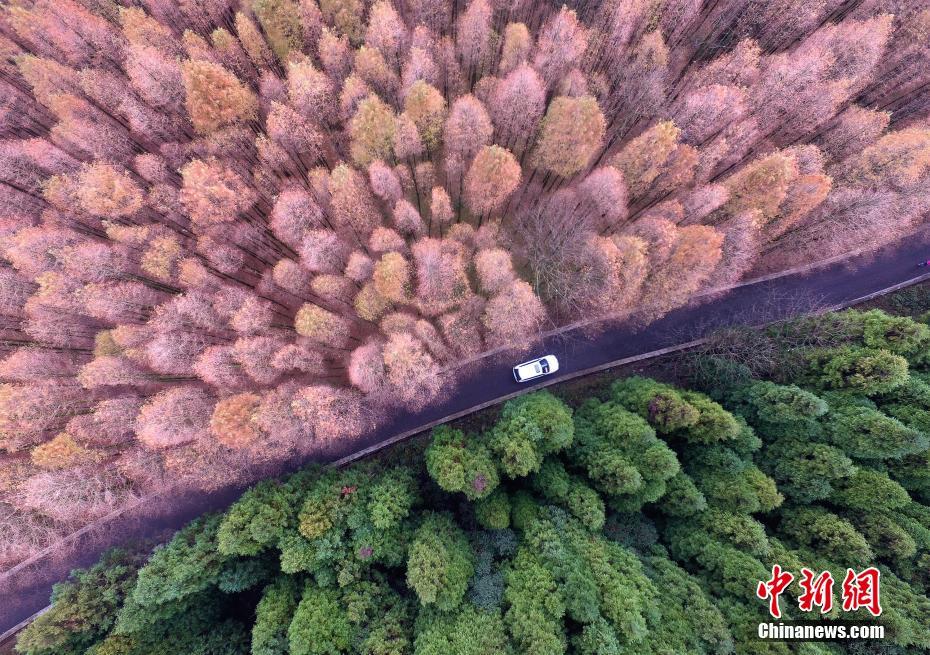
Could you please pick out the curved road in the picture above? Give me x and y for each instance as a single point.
(25, 590)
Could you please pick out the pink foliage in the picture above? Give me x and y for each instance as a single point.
(305, 210)
(173, 417)
(335, 412)
(110, 423)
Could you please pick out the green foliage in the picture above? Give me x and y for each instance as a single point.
(440, 562)
(691, 622)
(887, 538)
(870, 491)
(621, 455)
(391, 498)
(714, 424)
(865, 433)
(273, 617)
(779, 410)
(320, 625)
(555, 483)
(911, 301)
(493, 512)
(535, 606)
(717, 376)
(189, 564)
(827, 534)
(468, 631)
(806, 471)
(83, 607)
(732, 482)
(530, 428)
(460, 464)
(913, 472)
(682, 497)
(897, 334)
(863, 370)
(660, 404)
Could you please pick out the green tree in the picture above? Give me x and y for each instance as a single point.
(863, 370)
(391, 498)
(467, 631)
(260, 517)
(714, 424)
(320, 625)
(682, 497)
(530, 428)
(779, 410)
(273, 617)
(534, 606)
(460, 464)
(870, 491)
(83, 607)
(493, 511)
(829, 535)
(897, 334)
(621, 455)
(690, 621)
(806, 471)
(660, 404)
(440, 562)
(189, 564)
(571, 492)
(730, 481)
(862, 432)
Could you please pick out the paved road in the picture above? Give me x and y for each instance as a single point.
(27, 591)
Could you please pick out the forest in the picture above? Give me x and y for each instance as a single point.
(637, 518)
(233, 232)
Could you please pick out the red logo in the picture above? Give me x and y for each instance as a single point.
(772, 589)
(817, 592)
(860, 590)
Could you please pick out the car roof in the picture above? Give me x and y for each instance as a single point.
(533, 361)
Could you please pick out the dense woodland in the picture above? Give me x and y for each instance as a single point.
(235, 231)
(637, 522)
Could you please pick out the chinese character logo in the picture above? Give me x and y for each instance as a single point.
(772, 589)
(859, 590)
(817, 592)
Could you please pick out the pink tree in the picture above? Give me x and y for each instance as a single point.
(412, 374)
(173, 417)
(294, 215)
(603, 197)
(384, 182)
(233, 420)
(562, 41)
(366, 368)
(493, 175)
(214, 193)
(334, 413)
(311, 91)
(386, 31)
(495, 270)
(473, 32)
(441, 280)
(516, 105)
(468, 127)
(513, 315)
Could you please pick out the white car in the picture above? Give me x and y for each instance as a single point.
(535, 368)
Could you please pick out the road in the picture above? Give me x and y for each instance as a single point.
(26, 590)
